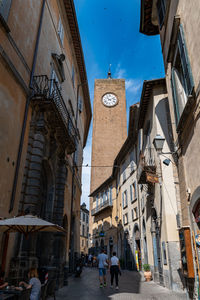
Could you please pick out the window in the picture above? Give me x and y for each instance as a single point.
(125, 218)
(83, 230)
(55, 84)
(133, 192)
(5, 8)
(83, 217)
(161, 8)
(87, 219)
(132, 214)
(82, 243)
(182, 79)
(124, 199)
(136, 212)
(60, 31)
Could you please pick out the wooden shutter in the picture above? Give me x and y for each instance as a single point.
(187, 72)
(174, 92)
(123, 199)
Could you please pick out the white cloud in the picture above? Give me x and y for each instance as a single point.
(132, 85)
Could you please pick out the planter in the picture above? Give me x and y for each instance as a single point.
(147, 275)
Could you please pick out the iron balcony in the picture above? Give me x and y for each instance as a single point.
(107, 204)
(47, 95)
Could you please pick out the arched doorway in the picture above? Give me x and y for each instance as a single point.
(137, 247)
(44, 249)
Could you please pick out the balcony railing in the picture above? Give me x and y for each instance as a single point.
(101, 207)
(47, 94)
(147, 167)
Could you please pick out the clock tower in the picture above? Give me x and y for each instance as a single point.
(109, 127)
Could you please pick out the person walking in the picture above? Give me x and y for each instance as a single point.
(102, 264)
(114, 269)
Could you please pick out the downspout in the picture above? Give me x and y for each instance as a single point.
(12, 200)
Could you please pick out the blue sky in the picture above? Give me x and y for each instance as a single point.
(109, 32)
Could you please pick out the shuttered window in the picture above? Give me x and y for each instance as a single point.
(5, 8)
(161, 8)
(181, 76)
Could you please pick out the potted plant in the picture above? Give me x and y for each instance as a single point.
(147, 272)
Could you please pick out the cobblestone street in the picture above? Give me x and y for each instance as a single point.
(131, 286)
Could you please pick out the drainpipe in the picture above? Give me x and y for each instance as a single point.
(12, 200)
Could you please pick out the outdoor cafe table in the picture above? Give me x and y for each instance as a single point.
(10, 294)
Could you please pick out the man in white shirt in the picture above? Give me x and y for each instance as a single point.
(114, 269)
(102, 263)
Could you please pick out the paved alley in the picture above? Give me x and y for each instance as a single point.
(131, 286)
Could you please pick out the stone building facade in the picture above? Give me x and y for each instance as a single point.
(44, 121)
(158, 187)
(177, 22)
(84, 229)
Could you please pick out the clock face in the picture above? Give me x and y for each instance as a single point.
(109, 100)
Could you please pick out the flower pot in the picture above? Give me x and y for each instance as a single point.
(147, 275)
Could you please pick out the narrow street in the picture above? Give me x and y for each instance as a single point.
(131, 286)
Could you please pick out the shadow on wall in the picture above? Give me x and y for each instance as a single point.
(112, 238)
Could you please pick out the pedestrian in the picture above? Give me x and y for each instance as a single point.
(90, 258)
(34, 284)
(102, 264)
(114, 269)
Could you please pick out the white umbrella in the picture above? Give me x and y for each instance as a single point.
(28, 224)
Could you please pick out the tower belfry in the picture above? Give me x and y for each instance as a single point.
(109, 127)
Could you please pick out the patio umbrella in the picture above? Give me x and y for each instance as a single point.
(28, 224)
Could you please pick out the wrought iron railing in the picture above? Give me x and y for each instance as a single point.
(148, 157)
(48, 90)
(102, 206)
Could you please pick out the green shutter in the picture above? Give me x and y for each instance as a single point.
(174, 92)
(187, 72)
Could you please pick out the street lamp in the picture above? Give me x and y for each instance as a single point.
(158, 143)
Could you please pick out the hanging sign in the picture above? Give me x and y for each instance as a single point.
(153, 178)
